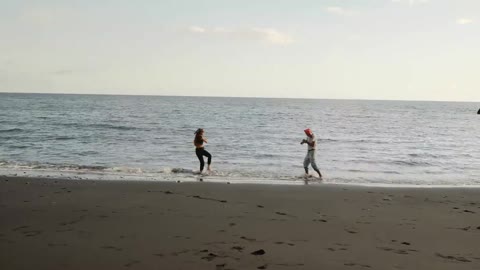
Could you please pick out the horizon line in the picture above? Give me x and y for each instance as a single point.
(259, 97)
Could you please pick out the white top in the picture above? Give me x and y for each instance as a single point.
(310, 140)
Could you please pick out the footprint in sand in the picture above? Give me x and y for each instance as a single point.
(32, 233)
(453, 258)
(130, 263)
(320, 220)
(180, 252)
(21, 227)
(398, 251)
(258, 252)
(340, 249)
(356, 264)
(112, 247)
(210, 257)
(248, 239)
(284, 243)
(238, 248)
(71, 222)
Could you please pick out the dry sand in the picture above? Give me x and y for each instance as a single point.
(77, 224)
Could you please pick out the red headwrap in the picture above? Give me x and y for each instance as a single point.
(308, 132)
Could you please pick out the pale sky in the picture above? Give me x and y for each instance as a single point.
(354, 49)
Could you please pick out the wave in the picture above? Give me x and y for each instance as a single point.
(11, 130)
(122, 171)
(372, 141)
(89, 168)
(18, 146)
(178, 170)
(408, 163)
(369, 171)
(110, 126)
(63, 138)
(427, 155)
(97, 172)
(411, 163)
(37, 165)
(99, 126)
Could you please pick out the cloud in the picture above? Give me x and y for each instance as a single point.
(269, 35)
(339, 11)
(197, 29)
(273, 35)
(411, 2)
(464, 21)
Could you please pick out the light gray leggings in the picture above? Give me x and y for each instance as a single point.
(310, 158)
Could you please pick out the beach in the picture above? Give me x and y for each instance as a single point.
(84, 224)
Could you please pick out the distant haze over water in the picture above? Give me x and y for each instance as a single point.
(150, 137)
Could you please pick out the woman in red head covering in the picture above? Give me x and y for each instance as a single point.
(311, 153)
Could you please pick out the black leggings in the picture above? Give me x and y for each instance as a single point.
(200, 153)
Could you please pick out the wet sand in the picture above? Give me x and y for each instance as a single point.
(78, 224)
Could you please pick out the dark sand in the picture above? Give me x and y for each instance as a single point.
(78, 224)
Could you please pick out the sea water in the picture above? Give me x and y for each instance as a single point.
(250, 139)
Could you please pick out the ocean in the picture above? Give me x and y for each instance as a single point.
(252, 140)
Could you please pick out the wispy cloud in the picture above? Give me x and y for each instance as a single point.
(464, 21)
(339, 11)
(269, 35)
(411, 2)
(197, 29)
(273, 35)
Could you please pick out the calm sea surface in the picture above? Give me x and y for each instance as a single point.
(150, 138)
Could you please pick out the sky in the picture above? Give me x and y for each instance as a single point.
(335, 49)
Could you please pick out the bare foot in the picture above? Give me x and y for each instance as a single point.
(308, 177)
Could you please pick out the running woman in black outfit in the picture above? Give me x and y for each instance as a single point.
(200, 150)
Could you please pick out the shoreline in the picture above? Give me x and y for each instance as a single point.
(298, 182)
(88, 224)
